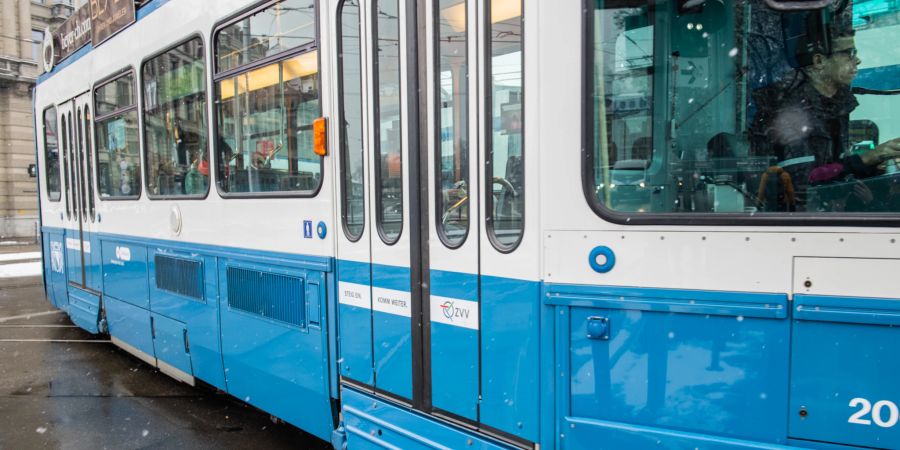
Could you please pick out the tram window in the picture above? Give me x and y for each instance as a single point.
(283, 26)
(174, 111)
(72, 155)
(51, 154)
(66, 161)
(79, 152)
(265, 131)
(388, 130)
(748, 111)
(452, 153)
(506, 167)
(116, 131)
(89, 174)
(350, 61)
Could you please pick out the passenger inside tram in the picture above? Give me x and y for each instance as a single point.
(733, 106)
(807, 129)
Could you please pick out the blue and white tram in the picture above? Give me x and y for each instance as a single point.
(492, 224)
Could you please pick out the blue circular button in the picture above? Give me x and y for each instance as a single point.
(321, 230)
(607, 254)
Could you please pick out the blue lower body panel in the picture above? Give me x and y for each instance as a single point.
(393, 353)
(603, 435)
(844, 369)
(171, 343)
(454, 370)
(374, 424)
(391, 330)
(131, 325)
(454, 343)
(273, 364)
(510, 356)
(55, 269)
(356, 343)
(84, 309)
(265, 366)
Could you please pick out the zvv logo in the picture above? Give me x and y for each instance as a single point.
(451, 311)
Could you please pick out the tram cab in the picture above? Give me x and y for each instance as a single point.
(731, 154)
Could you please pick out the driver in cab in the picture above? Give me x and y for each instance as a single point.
(807, 129)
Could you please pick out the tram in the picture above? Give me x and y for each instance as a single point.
(492, 223)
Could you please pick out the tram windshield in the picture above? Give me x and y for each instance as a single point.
(732, 106)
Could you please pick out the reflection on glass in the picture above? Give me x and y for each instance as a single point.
(623, 92)
(351, 120)
(265, 135)
(283, 26)
(89, 148)
(73, 166)
(507, 195)
(749, 110)
(79, 145)
(51, 154)
(389, 188)
(452, 116)
(118, 150)
(66, 160)
(174, 110)
(114, 95)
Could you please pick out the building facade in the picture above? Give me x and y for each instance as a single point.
(22, 26)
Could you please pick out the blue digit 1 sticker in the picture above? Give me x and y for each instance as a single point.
(307, 229)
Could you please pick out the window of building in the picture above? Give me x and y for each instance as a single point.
(452, 91)
(265, 112)
(388, 129)
(116, 131)
(351, 115)
(506, 151)
(37, 44)
(175, 135)
(51, 155)
(748, 111)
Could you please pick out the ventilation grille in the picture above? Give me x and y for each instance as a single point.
(273, 296)
(180, 276)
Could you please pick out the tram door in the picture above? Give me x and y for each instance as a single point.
(75, 133)
(408, 255)
(374, 270)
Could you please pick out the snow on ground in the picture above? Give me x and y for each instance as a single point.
(29, 269)
(19, 256)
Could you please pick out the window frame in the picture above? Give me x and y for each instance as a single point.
(91, 159)
(58, 155)
(438, 180)
(249, 67)
(64, 155)
(344, 149)
(771, 219)
(489, 136)
(376, 124)
(124, 72)
(81, 153)
(142, 132)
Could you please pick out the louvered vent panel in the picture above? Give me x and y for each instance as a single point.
(273, 296)
(181, 276)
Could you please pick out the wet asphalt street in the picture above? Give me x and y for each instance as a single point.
(61, 387)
